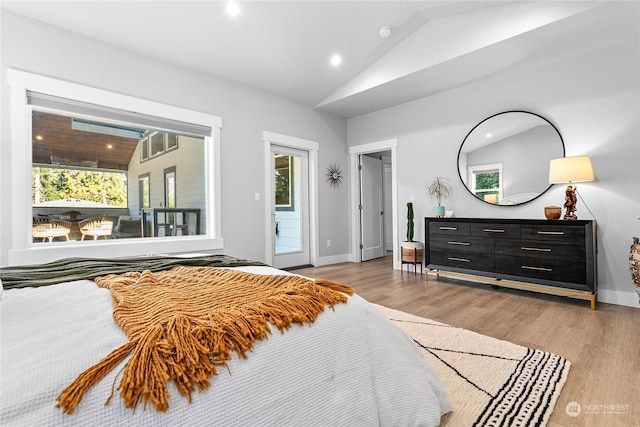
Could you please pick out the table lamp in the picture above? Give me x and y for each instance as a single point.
(568, 170)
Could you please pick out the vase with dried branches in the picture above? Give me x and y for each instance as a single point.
(439, 189)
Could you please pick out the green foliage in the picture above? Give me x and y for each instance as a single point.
(409, 222)
(95, 186)
(487, 180)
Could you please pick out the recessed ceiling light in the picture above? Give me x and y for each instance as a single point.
(109, 146)
(384, 32)
(336, 60)
(233, 9)
(488, 135)
(39, 137)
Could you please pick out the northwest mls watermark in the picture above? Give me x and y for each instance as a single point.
(575, 409)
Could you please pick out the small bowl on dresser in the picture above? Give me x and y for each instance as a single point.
(552, 212)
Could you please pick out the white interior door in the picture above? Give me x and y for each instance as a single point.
(388, 207)
(290, 211)
(371, 208)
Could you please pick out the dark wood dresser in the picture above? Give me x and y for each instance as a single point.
(550, 256)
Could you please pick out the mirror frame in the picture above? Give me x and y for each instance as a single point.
(491, 117)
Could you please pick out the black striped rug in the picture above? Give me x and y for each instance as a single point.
(491, 382)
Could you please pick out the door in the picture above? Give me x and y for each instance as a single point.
(388, 207)
(290, 207)
(371, 208)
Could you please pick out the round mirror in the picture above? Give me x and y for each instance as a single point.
(504, 159)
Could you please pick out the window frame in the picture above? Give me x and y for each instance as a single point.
(21, 247)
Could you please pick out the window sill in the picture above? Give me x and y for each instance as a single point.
(47, 252)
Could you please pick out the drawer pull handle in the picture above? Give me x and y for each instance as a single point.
(493, 230)
(460, 243)
(556, 233)
(524, 248)
(449, 228)
(526, 267)
(458, 259)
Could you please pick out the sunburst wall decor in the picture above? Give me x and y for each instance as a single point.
(334, 175)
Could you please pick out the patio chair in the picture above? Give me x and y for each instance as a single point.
(96, 227)
(50, 228)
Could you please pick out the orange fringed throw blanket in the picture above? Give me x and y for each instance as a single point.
(186, 322)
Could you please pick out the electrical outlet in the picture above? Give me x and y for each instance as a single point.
(328, 243)
(256, 197)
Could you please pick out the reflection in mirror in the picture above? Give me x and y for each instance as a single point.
(504, 160)
(96, 179)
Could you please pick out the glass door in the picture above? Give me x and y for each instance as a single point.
(290, 213)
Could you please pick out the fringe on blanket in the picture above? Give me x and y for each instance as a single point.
(185, 323)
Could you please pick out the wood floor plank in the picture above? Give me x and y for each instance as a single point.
(602, 345)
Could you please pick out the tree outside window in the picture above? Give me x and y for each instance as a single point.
(59, 186)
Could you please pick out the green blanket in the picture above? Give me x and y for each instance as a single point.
(69, 269)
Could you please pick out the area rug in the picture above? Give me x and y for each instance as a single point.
(491, 382)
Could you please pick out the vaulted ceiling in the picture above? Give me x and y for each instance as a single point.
(284, 47)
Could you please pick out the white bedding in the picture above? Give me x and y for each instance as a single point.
(352, 367)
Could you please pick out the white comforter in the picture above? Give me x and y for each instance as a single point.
(352, 367)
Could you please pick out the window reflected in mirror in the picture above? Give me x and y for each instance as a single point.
(486, 182)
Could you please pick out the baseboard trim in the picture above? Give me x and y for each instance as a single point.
(335, 259)
(628, 299)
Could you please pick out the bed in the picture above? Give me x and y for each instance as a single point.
(351, 366)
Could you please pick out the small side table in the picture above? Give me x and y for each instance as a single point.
(411, 256)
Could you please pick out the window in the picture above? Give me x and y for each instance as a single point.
(171, 140)
(157, 143)
(33, 93)
(284, 181)
(486, 182)
(144, 191)
(156, 140)
(170, 187)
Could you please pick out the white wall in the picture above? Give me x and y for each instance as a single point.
(38, 48)
(593, 99)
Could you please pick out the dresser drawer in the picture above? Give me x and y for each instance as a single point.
(461, 244)
(449, 228)
(570, 251)
(466, 260)
(540, 268)
(554, 233)
(498, 231)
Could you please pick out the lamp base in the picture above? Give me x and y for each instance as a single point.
(570, 201)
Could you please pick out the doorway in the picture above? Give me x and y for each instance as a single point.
(372, 212)
(390, 199)
(290, 201)
(290, 227)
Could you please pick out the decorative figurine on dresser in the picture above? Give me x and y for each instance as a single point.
(557, 257)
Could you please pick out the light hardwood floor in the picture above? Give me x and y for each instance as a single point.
(602, 345)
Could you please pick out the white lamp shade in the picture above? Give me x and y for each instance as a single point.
(570, 169)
